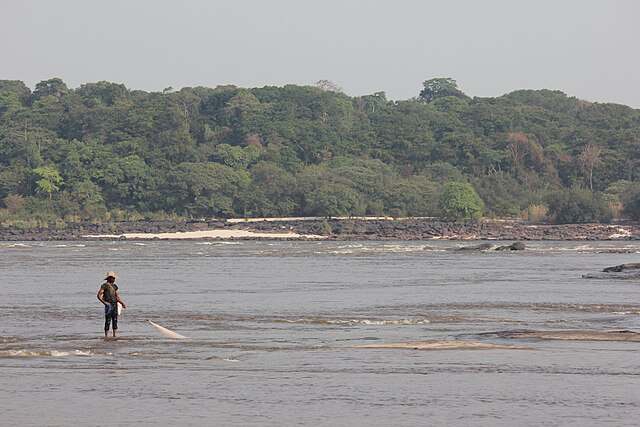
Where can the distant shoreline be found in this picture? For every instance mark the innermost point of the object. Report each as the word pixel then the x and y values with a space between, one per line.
pixel 342 229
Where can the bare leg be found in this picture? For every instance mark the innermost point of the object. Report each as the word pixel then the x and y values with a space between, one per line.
pixel 106 334
pixel 115 333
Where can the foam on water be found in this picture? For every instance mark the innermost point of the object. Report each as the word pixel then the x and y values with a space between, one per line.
pixel 218 243
pixel 44 353
pixel 14 245
pixel 587 248
pixel 348 322
pixel 438 345
pixel 355 249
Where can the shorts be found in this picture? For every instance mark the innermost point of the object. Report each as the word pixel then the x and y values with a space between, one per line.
pixel 111 315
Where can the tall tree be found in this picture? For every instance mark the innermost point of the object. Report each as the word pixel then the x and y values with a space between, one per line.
pixel 50 180
pixel 589 158
pixel 438 88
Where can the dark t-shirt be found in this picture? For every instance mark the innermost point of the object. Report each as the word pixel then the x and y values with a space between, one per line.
pixel 109 294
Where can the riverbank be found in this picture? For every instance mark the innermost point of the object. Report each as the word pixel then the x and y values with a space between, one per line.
pixel 331 229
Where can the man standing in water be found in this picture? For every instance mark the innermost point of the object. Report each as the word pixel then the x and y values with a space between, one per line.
pixel 108 295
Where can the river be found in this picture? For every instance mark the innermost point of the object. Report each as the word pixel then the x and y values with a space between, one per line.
pixel 285 333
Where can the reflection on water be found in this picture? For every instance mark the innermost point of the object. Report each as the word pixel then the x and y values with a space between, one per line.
pixel 328 333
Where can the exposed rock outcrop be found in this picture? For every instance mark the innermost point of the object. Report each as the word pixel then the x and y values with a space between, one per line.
pixel 480 247
pixel 346 229
pixel 623 267
pixel 515 246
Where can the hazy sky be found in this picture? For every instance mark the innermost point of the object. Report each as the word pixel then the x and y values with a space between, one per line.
pixel 587 48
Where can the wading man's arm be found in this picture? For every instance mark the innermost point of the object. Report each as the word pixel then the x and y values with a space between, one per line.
pixel 120 300
pixel 100 293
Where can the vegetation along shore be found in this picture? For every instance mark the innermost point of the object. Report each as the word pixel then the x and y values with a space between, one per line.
pixel 103 153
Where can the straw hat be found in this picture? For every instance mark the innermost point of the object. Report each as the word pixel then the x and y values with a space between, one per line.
pixel 111 274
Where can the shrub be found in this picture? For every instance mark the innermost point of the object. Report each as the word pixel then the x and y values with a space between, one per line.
pixel 503 194
pixel 14 202
pixel 325 228
pixel 616 209
pixel 631 202
pixel 537 214
pixel 397 213
pixel 574 206
pixel 460 201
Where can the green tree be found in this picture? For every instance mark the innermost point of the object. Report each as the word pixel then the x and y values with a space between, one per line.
pixel 103 94
pixel 575 205
pixel 413 196
pixel 50 180
pixel 14 179
pixel 460 201
pixel 89 198
pixel 450 104
pixel 127 182
pixel 52 87
pixel 271 191
pixel 631 201
pixel 236 157
pixel 440 87
pixel 205 189
pixel 335 200
pixel 14 96
pixel 503 194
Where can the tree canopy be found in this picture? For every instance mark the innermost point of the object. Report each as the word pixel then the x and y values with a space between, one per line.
pixel 103 151
pixel 460 201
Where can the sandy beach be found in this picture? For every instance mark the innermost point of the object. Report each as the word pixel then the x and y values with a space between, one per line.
pixel 208 234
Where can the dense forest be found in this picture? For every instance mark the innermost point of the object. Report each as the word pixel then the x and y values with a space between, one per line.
pixel 103 152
